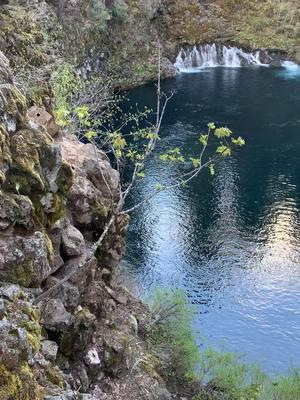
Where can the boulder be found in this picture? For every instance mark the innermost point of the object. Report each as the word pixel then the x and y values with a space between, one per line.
pixel 38 117
pixel 12 102
pixel 163 394
pixel 60 394
pixel 40 360
pixel 87 397
pixel 49 349
pixel 24 260
pixel 15 209
pixel 19 334
pixel 9 291
pixel 66 292
pixel 92 358
pixel 297 54
pixel 95 186
pixel 55 317
pixel 73 243
pixel 55 237
pixel 82 378
pixel 276 64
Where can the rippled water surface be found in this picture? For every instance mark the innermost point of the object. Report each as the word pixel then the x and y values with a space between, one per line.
pixel 231 241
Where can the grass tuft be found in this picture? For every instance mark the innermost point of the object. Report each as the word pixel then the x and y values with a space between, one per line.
pixel 224 375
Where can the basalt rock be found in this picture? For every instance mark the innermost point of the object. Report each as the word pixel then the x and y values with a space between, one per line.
pixel 95 186
pixel 38 117
pixel 33 182
pixel 49 349
pixel 297 54
pixel 55 317
pixel 73 243
pixel 19 343
pixel 2 308
pixel 68 293
pixel 15 210
pixel 24 259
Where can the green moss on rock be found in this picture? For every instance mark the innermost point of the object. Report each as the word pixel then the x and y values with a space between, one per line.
pixel 65 179
pixel 55 376
pixel 37 171
pixel 22 273
pixel 20 385
pixel 33 329
pixel 23 37
pixel 5 156
pixel 26 173
pixel 100 210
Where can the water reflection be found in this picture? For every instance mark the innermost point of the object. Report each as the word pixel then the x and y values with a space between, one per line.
pixel 232 242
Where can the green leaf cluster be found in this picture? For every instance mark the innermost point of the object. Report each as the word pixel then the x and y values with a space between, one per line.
pixel 223 132
pixel 64 83
pixel 83 115
pixel 118 142
pixel 173 156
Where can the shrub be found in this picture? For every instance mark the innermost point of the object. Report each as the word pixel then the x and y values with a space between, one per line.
pixel 225 376
pixel 170 327
pixel 64 83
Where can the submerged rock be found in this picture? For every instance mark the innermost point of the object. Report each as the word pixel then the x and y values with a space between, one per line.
pixel 276 64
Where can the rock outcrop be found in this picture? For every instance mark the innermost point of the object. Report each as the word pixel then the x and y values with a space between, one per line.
pixel 121 37
pixel 42 198
pixel 56 195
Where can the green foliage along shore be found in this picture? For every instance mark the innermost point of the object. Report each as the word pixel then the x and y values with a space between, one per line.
pixel 223 375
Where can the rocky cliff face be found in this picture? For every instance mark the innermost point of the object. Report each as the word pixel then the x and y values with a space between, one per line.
pixel 66 331
pixel 253 24
pixel 55 195
pixel 119 38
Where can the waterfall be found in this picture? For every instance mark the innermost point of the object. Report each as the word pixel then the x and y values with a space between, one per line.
pixel 212 55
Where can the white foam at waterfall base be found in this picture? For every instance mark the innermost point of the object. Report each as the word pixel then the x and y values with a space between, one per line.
pixel 291 70
pixel 212 55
